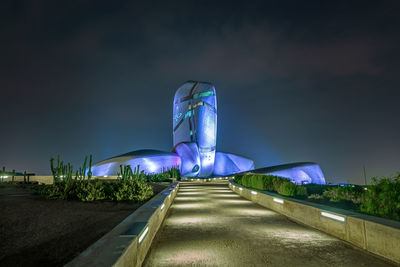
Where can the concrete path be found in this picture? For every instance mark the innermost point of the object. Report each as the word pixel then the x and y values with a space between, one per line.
pixel 209 225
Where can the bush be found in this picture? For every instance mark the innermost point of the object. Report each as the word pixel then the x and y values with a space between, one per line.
pixel 271 183
pixel 383 198
pixel 292 190
pixel 317 188
pixel 288 189
pixel 238 178
pixel 315 196
pixel 349 193
pixel 131 190
pixel 92 190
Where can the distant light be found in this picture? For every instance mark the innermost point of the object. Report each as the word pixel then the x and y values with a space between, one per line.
pixel 278 200
pixel 333 216
pixel 105 175
pixel 365 188
pixel 254 192
pixel 240 189
pixel 143 234
pixel 162 206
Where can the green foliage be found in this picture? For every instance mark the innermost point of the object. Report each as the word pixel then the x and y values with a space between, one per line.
pixel 317 188
pixel 126 173
pixel 92 190
pixel 315 196
pixel 64 172
pixel 130 190
pixel 290 189
pixel 353 194
pixel 271 183
pixel 383 198
pixel 238 178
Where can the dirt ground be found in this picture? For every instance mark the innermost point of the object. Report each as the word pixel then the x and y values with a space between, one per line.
pixel 39 232
pixel 209 225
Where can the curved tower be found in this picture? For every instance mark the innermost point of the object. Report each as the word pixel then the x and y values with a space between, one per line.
pixel 195 124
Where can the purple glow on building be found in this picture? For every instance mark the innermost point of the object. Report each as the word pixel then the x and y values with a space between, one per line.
pixel 149 161
pixel 190 157
pixel 227 163
pixel 195 121
pixel 298 173
pixel 195 139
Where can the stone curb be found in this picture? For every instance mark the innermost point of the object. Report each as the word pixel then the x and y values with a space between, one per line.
pixel 127 243
pixel 376 235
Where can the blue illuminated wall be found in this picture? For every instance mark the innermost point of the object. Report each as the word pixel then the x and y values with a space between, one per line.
pixel 190 158
pixel 149 161
pixel 195 121
pixel 227 163
pixel 298 173
pixel 195 139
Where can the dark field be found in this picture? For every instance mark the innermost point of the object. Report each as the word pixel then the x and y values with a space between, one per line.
pixel 39 232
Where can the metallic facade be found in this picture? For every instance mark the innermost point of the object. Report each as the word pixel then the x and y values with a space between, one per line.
pixel 298 173
pixel 195 139
pixel 195 121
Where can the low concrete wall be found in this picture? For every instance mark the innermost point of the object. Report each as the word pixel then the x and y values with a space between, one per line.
pixel 34 178
pixel 376 235
pixel 41 179
pixel 127 244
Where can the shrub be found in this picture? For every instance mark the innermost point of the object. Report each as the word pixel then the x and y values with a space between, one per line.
pixel 292 190
pixel 301 191
pixel 90 191
pixel 238 178
pixel 131 190
pixel 317 188
pixel 349 193
pixel 271 183
pixel 288 189
pixel 315 196
pixel 383 198
pixel 121 190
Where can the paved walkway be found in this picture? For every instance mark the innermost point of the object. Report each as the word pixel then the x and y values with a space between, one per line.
pixel 209 225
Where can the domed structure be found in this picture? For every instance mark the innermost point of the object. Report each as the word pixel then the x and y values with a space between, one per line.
pixel 195 139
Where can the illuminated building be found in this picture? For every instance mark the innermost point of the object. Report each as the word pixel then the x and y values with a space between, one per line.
pixel 195 139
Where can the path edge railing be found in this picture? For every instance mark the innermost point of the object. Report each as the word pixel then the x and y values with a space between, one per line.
pixel 376 235
pixel 127 243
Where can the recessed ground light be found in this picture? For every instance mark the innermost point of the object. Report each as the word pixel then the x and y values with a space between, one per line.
pixel 240 189
pixel 278 200
pixel 333 216
pixel 143 234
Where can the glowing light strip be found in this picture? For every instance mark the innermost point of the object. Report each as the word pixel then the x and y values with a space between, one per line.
pixel 278 200
pixel 254 193
pixel 143 234
pixel 162 206
pixel 333 216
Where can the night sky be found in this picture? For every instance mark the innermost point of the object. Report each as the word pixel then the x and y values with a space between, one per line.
pixel 295 81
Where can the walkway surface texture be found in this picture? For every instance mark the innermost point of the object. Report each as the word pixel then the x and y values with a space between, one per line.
pixel 209 225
